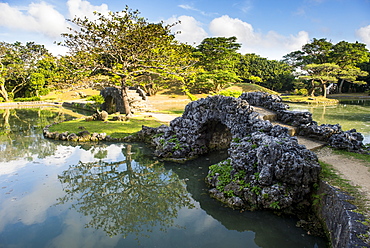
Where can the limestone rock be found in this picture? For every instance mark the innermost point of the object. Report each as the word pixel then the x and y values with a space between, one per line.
pixel 269 172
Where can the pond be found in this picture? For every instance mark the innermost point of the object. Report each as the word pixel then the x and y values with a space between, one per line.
pixel 59 194
pixel 350 113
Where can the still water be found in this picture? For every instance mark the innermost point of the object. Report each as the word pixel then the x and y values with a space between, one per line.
pixel 59 194
pixel 349 114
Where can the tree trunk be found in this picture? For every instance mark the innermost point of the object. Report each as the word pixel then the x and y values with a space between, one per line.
pixel 323 87
pixel 126 103
pixel 4 93
pixel 340 86
pixel 311 91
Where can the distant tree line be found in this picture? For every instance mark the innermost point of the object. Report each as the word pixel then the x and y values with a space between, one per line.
pixel 124 49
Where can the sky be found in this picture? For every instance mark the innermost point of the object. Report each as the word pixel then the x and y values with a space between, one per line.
pixel 269 28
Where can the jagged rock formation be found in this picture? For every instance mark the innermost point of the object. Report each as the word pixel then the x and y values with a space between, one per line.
pixel 114 100
pixel 332 134
pixel 267 168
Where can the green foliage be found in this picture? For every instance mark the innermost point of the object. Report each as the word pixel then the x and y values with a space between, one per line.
pixel 189 95
pixel 322 74
pixel 272 74
pixel 27 99
pixel 36 83
pixel 124 45
pixel 21 74
pixel 232 93
pixel 99 99
pixel 275 205
pixel 301 92
pixel 218 58
pixel 223 169
pixel 256 189
pixel 348 57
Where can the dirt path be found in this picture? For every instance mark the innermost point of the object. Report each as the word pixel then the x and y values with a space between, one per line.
pixel 351 169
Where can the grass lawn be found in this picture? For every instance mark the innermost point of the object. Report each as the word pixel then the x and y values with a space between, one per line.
pixel 116 129
pixel 308 99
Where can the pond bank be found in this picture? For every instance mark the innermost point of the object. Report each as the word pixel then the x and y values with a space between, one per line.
pixel 4 105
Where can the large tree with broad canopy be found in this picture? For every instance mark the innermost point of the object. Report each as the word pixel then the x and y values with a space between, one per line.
pixel 124 45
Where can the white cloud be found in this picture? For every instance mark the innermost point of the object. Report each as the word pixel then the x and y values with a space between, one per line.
pixel 82 8
pixel 191 30
pixel 364 34
pixel 271 45
pixel 37 17
pixel 187 7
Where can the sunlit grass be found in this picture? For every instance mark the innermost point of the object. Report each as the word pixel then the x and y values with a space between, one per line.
pixel 116 129
pixel 333 177
pixel 307 99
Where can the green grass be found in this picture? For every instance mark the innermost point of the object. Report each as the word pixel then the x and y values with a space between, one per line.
pixel 307 99
pixel 365 158
pixel 330 175
pixel 247 87
pixel 170 112
pixel 116 129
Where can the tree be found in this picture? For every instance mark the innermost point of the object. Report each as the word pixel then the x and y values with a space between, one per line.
pixel 321 73
pixel 348 56
pixel 218 59
pixel 125 197
pixel 316 52
pixel 18 63
pixel 123 45
pixel 272 74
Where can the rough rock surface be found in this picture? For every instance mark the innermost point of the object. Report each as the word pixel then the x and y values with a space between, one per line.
pixel 207 124
pixel 332 134
pixel 267 167
pixel 267 170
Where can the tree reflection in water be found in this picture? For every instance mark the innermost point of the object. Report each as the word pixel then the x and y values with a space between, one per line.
pixel 126 197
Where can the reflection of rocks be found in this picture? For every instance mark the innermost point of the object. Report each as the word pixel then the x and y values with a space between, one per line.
pixel 125 197
pixel 267 168
pixel 267 227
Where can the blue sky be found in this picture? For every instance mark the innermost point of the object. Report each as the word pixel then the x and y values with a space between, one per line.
pixel 270 28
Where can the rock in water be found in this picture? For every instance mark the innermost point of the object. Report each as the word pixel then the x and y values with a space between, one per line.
pixel 264 171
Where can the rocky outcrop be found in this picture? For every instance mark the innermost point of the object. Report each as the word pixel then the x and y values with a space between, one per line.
pixel 333 135
pixel 207 124
pixel 267 168
pixel 265 171
pixel 344 224
pixel 113 97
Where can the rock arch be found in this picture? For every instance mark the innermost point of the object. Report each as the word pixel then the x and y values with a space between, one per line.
pixel 113 100
pixel 215 135
pixel 266 168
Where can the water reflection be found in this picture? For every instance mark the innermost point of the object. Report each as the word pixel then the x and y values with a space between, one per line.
pixel 268 228
pixel 126 197
pixel 349 114
pixel 59 194
pixel 20 132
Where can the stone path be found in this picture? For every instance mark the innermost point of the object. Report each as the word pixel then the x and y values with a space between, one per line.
pixel 310 144
pixel 351 169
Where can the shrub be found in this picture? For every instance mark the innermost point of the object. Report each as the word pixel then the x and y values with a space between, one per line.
pixel 96 98
pixel 27 99
pixel 233 93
